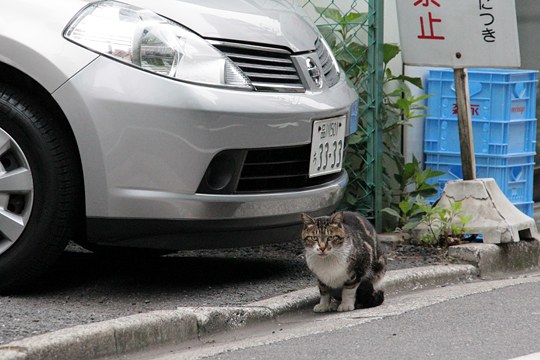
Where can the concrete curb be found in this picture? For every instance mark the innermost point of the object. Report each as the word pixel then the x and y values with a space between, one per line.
pixel 496 260
pixel 136 332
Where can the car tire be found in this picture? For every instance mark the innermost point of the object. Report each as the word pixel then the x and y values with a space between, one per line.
pixel 41 195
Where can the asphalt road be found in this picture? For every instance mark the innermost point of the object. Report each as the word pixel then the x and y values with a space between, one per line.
pixel 484 320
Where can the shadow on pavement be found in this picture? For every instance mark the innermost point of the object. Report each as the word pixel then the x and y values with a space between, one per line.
pixel 157 274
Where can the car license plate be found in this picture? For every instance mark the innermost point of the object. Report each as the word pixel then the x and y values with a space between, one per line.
pixel 327 146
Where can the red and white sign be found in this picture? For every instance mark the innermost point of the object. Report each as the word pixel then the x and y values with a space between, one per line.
pixel 459 33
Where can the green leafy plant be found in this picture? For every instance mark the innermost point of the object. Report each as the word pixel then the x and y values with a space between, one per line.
pixel 408 205
pixel 446 226
pixel 409 213
pixel 439 226
pixel 414 187
pixel 399 105
pixel 414 181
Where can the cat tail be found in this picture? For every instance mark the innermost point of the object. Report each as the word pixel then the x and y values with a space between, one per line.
pixel 378 298
pixel 367 296
pixel 378 268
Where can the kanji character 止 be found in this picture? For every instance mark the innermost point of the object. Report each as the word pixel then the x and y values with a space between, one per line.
pixel 427 2
pixel 431 34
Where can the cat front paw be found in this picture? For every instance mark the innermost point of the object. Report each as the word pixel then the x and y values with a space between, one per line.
pixel 345 307
pixel 322 308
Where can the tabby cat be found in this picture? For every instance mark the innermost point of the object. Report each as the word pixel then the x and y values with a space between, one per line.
pixel 343 252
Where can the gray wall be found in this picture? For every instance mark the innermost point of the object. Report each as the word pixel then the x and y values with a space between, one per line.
pixel 528 12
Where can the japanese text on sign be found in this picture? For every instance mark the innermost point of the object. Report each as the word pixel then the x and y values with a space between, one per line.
pixel 428 27
pixel 489 19
pixel 459 33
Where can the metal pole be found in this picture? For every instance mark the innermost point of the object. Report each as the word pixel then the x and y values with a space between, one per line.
pixel 376 49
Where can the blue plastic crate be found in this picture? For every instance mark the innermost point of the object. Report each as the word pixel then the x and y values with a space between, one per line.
pixel 491 137
pixel 503 109
pixel 495 94
pixel 513 174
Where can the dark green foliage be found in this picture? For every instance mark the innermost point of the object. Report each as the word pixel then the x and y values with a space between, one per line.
pixel 346 35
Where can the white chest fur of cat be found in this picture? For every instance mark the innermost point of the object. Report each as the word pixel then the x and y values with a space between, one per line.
pixel 331 269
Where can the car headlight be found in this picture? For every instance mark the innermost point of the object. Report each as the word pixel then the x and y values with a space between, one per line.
pixel 148 41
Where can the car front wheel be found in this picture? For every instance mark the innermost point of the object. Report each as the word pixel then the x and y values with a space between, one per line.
pixel 40 188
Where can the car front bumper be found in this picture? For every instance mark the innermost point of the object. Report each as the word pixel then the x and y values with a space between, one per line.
pixel 146 141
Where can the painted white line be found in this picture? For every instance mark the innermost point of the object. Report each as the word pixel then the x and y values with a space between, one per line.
pixel 535 356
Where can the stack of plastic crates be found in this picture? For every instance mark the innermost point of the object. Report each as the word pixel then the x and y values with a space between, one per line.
pixel 503 109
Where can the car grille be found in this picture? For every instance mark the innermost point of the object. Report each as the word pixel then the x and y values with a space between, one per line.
pixel 268 68
pixel 278 169
pixel 265 170
pixel 330 73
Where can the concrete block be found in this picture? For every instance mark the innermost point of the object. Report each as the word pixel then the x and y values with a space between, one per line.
pixel 290 302
pixel 211 320
pixel 417 278
pixel 8 353
pixel 493 260
pixel 494 216
pixel 154 328
pixel 107 338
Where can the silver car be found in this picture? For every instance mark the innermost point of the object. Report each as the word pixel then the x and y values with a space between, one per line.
pixel 163 124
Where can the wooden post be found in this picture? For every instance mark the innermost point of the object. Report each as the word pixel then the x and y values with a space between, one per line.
pixel 465 124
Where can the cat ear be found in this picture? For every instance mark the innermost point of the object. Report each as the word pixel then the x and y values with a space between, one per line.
pixel 337 218
pixel 308 220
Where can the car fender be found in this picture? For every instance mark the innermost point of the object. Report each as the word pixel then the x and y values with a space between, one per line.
pixel 51 62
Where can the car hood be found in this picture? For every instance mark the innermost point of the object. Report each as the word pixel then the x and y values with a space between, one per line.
pixel 277 22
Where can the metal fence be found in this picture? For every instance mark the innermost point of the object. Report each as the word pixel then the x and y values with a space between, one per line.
pixel 354 30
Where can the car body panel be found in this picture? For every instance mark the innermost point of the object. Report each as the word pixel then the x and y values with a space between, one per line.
pixel 262 21
pixel 130 153
pixel 51 62
pixel 145 141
